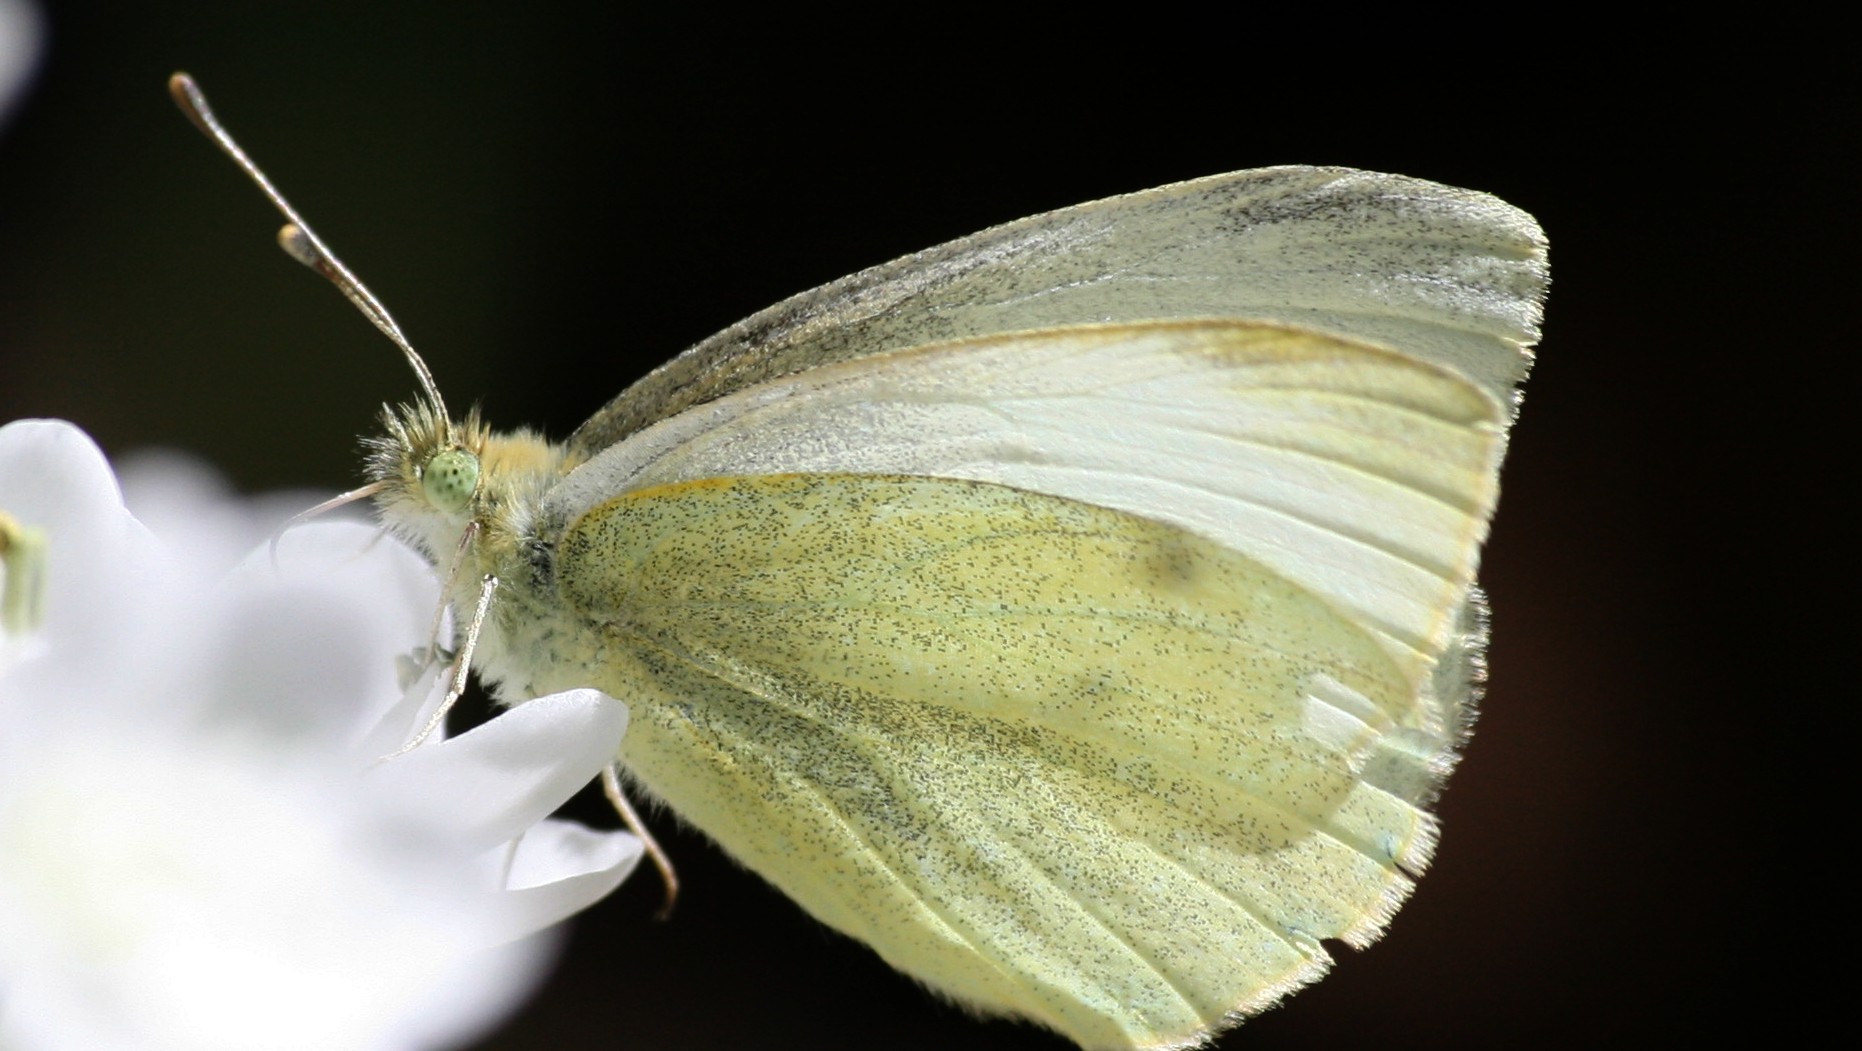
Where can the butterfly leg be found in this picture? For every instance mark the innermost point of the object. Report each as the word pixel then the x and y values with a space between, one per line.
pixel 611 787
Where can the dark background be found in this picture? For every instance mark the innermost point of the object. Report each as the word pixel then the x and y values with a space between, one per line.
pixel 553 204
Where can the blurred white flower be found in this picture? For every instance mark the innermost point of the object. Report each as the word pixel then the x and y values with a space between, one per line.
pixel 20 37
pixel 197 847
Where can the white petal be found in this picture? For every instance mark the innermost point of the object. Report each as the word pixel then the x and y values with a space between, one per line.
pixel 191 509
pixel 560 868
pixel 332 612
pixel 501 778
pixel 174 892
pixel 104 571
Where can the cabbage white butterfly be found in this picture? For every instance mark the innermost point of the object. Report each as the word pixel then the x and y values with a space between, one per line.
pixel 1080 613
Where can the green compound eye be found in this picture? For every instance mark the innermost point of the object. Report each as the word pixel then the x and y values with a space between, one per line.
pixel 450 479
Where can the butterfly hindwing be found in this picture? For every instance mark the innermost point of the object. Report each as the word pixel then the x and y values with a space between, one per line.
pixel 1053 759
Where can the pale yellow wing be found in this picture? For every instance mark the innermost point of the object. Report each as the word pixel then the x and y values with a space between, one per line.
pixel 1445 274
pixel 1058 760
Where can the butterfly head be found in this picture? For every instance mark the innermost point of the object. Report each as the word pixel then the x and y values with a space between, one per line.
pixel 435 477
pixel 427 472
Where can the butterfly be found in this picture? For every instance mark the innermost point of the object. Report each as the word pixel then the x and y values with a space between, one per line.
pixel 1080 613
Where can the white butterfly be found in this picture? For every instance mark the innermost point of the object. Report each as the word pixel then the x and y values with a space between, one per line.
pixel 1080 613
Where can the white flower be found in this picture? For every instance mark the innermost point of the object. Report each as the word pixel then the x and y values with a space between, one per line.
pixel 20 38
pixel 197 847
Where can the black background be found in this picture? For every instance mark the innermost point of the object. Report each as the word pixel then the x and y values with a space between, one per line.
pixel 551 204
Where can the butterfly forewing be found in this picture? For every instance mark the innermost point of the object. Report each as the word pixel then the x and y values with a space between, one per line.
pixel 1448 275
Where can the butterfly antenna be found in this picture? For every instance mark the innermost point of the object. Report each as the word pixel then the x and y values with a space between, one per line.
pixel 297 238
